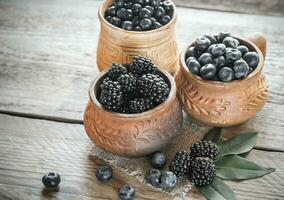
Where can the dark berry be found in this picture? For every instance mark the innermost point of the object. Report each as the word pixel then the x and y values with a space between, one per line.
pixel 120 13
pixel 157 25
pixel 153 20
pixel 158 159
pixel 126 192
pixel 111 11
pixel 193 65
pixel 155 3
pixel 204 148
pixel 222 36
pixel 181 163
pixel 168 179
pixel 215 78
pixel 252 59
pixel 218 50
pixel 160 11
pixel 212 39
pixel 127 25
pixel 136 21
pixel 151 9
pixel 128 5
pixel 145 13
pixel 232 55
pixel 219 62
pixel 154 177
pixel 141 2
pixel 208 71
pixel 108 18
pixel 231 42
pixel 243 49
pixel 168 6
pixel 190 52
pixel 205 58
pixel 111 96
pixel 209 50
pixel 51 179
pixel 139 105
pixel 104 173
pixel 119 3
pixel 127 82
pixel 137 28
pixel 202 43
pixel 128 15
pixel 142 65
pixel 241 69
pixel 136 8
pixel 145 24
pixel 115 21
pixel 165 19
pixel 116 70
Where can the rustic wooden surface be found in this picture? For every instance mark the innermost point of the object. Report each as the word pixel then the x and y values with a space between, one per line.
pixel 47 61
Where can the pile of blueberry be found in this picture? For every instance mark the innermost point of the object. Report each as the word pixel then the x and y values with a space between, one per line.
pixel 221 58
pixel 139 15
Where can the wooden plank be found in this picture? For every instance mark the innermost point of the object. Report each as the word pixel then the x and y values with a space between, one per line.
pixel 268 7
pixel 30 148
pixel 48 59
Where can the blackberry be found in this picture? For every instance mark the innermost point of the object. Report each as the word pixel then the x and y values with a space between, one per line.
pixel 181 163
pixel 127 82
pixel 154 87
pixel 139 105
pixel 116 70
pixel 202 172
pixel 204 149
pixel 111 95
pixel 142 65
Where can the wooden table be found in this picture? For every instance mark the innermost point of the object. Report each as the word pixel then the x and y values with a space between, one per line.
pixel 47 61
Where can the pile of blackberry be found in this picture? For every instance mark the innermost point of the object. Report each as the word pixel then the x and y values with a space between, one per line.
pixel 140 15
pixel 197 164
pixel 133 88
pixel 221 58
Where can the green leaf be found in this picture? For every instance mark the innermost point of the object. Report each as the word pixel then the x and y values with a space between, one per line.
pixel 234 167
pixel 217 190
pixel 238 144
pixel 213 135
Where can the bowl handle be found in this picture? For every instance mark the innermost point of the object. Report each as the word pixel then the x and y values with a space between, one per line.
pixel 259 40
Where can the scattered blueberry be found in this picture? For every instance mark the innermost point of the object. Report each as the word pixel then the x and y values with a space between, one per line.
pixel 208 71
pixel 158 159
pixel 231 42
pixel 205 58
pixel 168 179
pixel 154 177
pixel 126 192
pixel 243 49
pixel 226 74
pixel 193 65
pixel 104 173
pixel 241 69
pixel 202 43
pixel 252 59
pixel 51 179
pixel 218 50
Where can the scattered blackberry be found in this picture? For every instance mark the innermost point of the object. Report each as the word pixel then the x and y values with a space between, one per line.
pixel 202 172
pixel 154 87
pixel 204 149
pixel 181 163
pixel 139 105
pixel 127 82
pixel 142 65
pixel 111 95
pixel 116 70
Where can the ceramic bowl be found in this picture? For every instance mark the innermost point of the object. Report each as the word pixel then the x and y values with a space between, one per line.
pixel 120 46
pixel 222 104
pixel 133 135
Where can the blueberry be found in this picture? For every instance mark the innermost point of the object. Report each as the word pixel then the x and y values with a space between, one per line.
pixel 218 50
pixel 226 74
pixel 155 3
pixel 136 8
pixel 128 15
pixel 222 36
pixel 151 9
pixel 157 25
pixel 119 3
pixel 141 2
pixel 215 78
pixel 51 179
pixel 202 43
pixel 136 21
pixel 205 58
pixel 154 177
pixel 145 13
pixel 145 24
pixel 111 11
pixel 168 6
pixel 252 59
pixel 153 19
pixel 232 55
pixel 120 12
pixel 219 62
pixel 241 69
pixel 115 21
pixel 168 179
pixel 193 65
pixel 190 52
pixel 160 11
pixel 165 19
pixel 127 25
pixel 209 50
pixel 126 192
pixel 104 173
pixel 137 28
pixel 108 18
pixel 158 159
pixel 243 49
pixel 212 39
pixel 208 71
pixel 190 58
pixel 231 42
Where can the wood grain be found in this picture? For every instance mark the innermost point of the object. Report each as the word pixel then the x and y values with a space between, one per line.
pixel 31 147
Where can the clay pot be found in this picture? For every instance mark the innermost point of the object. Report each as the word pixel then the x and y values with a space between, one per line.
pixel 224 104
pixel 120 46
pixel 133 135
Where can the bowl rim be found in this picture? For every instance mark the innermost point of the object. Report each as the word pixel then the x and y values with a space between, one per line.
pixel 102 19
pixel 94 88
pixel 219 83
